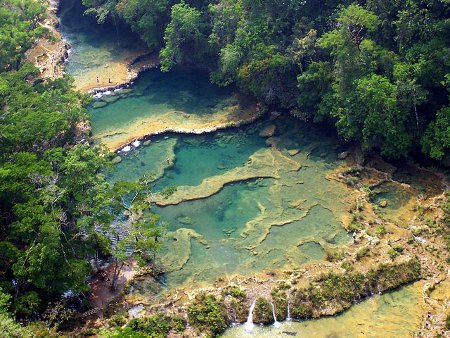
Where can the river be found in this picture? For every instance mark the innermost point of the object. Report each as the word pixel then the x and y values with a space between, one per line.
pixel 249 199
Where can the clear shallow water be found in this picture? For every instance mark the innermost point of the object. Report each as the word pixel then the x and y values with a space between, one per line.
pixel 219 221
pixel 246 227
pixel 392 315
pixel 154 94
pixel 171 157
pixel 227 237
pixel 100 54
pixel 203 156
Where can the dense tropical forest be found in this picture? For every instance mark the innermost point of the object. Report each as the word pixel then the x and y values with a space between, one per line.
pixel 378 71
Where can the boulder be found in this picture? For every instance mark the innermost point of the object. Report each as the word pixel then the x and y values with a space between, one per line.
pixel 383 203
pixel 268 131
pixel 343 155
pixel 116 160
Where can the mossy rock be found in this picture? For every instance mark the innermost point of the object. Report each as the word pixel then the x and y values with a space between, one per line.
pixel 116 160
pixel 383 203
pixel 208 315
pixel 99 104
pixel 263 313
pixel 302 311
pixel 268 131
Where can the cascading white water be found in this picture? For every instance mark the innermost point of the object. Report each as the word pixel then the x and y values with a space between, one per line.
pixel 249 323
pixel 288 317
pixel 276 323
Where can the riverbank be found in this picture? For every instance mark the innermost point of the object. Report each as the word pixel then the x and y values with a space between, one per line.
pixel 50 55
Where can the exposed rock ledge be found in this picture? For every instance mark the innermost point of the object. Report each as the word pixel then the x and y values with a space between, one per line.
pixel 258 166
pixel 48 55
pixel 177 122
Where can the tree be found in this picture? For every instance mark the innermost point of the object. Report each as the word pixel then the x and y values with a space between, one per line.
pixel 136 234
pixel 383 124
pixel 19 27
pixel 184 37
pixel 436 140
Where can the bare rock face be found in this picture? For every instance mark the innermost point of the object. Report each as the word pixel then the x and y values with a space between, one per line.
pixel 268 131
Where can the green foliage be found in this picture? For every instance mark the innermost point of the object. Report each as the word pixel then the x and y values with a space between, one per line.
pixel 235 292
pixel 208 315
pixel 5 302
pixel 12 329
pixel 263 312
pixel 19 27
pixel 183 36
pixel 341 290
pixel 147 18
pixel 436 140
pixel 169 191
pixel 27 304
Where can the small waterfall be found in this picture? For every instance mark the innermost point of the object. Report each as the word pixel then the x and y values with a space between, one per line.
pixel 276 323
pixel 249 323
pixel 288 317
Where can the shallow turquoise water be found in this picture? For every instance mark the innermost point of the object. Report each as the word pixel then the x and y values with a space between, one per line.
pixel 149 161
pixel 219 220
pixel 156 93
pixel 92 45
pixel 196 157
pixel 209 155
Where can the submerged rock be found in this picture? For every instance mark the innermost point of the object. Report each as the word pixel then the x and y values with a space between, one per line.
pixel 184 220
pixel 293 152
pixel 146 143
pixel 268 131
pixel 99 104
pixel 116 160
pixel 110 98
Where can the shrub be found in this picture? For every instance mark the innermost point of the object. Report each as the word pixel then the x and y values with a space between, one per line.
pixel 235 292
pixel 334 255
pixel 263 312
pixel 207 314
pixel 155 326
pixel 117 320
pixel 362 252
